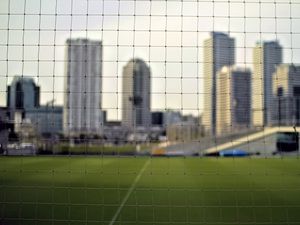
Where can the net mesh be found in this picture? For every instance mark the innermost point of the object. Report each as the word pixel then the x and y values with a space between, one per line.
pixel 100 95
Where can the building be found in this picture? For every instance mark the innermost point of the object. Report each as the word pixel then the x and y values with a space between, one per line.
pixel 104 117
pixel 46 119
pixel 136 95
pixel 22 95
pixel 157 119
pixel 169 117
pixel 266 56
pixel 183 132
pixel 233 100
pixel 4 129
pixel 83 86
pixel 25 129
pixel 219 51
pixel 188 129
pixel 286 96
pixel 114 133
pixel 172 117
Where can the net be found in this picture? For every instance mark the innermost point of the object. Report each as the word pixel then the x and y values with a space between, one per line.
pixel 140 111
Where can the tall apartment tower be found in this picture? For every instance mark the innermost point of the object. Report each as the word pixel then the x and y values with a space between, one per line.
pixel 218 52
pixel 286 95
pixel 136 95
pixel 23 94
pixel 83 85
pixel 266 56
pixel 233 100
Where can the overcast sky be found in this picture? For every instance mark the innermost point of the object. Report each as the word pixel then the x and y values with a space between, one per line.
pixel 168 35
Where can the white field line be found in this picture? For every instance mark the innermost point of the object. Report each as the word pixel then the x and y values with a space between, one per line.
pixel 248 138
pixel 113 220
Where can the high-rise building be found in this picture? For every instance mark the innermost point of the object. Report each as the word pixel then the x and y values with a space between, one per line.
pixel 219 51
pixel 286 96
pixel 233 100
pixel 23 94
pixel 136 95
pixel 83 83
pixel 266 56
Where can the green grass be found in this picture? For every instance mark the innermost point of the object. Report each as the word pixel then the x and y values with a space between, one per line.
pixel 89 190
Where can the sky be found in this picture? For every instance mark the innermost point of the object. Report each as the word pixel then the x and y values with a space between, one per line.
pixel 167 35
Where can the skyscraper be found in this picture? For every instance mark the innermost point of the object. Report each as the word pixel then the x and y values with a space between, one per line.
pixel 266 56
pixel 136 94
pixel 233 100
pixel 286 95
pixel 218 52
pixel 23 94
pixel 83 83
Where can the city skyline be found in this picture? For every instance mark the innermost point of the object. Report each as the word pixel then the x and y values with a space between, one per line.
pixel 173 47
pixel 250 66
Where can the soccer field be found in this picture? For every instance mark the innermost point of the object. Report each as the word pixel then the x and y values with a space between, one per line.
pixel 96 190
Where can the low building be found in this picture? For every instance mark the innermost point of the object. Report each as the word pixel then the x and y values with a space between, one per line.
pixel 157 119
pixel 172 117
pixel 46 119
pixel 184 131
pixel 4 129
pixel 188 129
pixel 286 96
pixel 114 133
pixel 24 128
